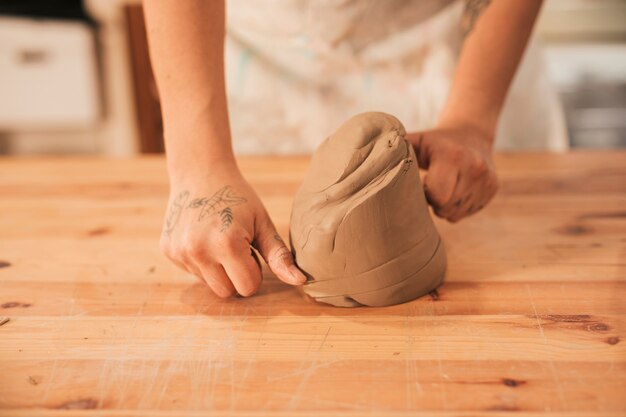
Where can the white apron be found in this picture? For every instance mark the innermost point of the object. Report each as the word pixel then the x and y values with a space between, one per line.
pixel 298 69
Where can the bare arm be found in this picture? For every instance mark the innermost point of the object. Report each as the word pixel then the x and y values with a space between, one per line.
pixel 214 216
pixel 461 178
pixel 496 33
pixel 187 49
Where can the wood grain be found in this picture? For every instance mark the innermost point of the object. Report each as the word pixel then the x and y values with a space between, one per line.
pixel 531 320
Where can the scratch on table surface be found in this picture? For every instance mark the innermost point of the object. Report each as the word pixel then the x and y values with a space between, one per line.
pixel 173 368
pixel 259 340
pixel 117 372
pixel 214 363
pixel 410 368
pixel 59 329
pixel 554 374
pixel 194 371
pixel 308 373
pixel 407 358
pixel 301 371
pixel 236 386
pixel 344 406
pixel 211 366
pixel 429 311
pixel 206 373
pixel 441 372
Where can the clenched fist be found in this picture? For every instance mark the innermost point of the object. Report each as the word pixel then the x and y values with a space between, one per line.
pixel 461 177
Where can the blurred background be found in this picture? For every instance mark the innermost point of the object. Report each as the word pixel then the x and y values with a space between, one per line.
pixel 75 76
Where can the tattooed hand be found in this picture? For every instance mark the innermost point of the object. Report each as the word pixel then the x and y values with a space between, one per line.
pixel 210 231
pixel 461 177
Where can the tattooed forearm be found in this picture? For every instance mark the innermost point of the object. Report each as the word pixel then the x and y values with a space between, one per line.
pixel 174 211
pixel 473 9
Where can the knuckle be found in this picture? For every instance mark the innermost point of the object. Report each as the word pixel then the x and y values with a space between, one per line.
pixel 176 252
pixel 434 193
pixel 441 198
pixel 480 167
pixel 228 245
pixel 456 153
pixel 446 199
pixel 192 248
pixel 165 247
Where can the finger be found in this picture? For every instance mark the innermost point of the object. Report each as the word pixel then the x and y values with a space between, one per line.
pixel 469 206
pixel 241 267
pixel 489 188
pixel 480 192
pixel 476 192
pixel 420 142
pixel 185 262
pixel 217 279
pixel 197 264
pixel 276 254
pixel 440 183
pixel 181 265
pixel 466 193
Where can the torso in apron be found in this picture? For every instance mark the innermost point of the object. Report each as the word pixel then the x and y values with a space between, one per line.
pixel 297 69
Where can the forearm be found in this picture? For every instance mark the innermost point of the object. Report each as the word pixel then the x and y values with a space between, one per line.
pixel 187 51
pixel 496 35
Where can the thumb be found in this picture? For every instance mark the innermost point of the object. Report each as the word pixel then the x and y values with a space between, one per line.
pixel 276 254
pixel 420 142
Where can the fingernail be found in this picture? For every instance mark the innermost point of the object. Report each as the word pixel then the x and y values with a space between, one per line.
pixel 297 275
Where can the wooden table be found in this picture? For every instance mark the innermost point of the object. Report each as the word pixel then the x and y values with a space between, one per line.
pixel 530 321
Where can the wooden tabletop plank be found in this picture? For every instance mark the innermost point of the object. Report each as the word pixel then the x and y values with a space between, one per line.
pixel 531 320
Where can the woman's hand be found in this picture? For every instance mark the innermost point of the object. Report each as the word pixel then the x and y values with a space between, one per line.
pixel 460 178
pixel 212 221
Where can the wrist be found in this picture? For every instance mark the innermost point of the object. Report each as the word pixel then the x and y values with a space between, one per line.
pixel 473 109
pixel 185 169
pixel 198 149
pixel 197 138
pixel 478 128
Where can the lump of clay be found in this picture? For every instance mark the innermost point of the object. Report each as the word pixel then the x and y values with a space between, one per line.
pixel 360 227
